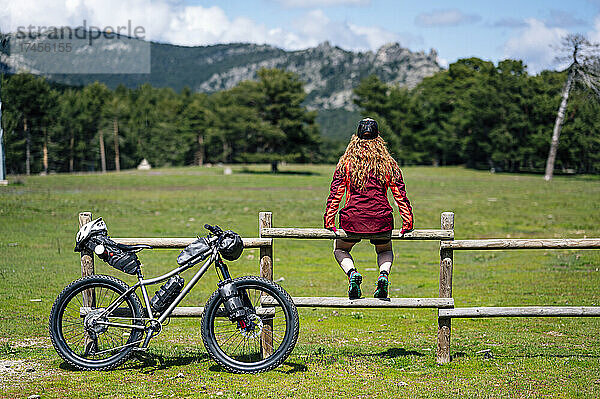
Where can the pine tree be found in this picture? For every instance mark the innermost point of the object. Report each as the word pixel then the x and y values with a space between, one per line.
pixel 26 99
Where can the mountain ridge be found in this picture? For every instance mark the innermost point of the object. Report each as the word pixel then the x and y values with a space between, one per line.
pixel 329 73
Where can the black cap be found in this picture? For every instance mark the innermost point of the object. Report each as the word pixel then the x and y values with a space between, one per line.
pixel 367 129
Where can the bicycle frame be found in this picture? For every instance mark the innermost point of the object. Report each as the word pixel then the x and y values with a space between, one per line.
pixel 250 324
pixel 142 283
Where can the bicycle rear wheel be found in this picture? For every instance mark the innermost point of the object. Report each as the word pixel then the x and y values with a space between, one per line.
pixel 84 337
pixel 263 346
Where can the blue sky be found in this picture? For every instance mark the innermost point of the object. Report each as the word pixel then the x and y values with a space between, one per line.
pixel 491 30
pixel 456 29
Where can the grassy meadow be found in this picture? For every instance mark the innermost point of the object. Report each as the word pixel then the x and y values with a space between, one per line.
pixel 342 353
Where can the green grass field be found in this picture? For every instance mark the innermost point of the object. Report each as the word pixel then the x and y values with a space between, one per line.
pixel 343 353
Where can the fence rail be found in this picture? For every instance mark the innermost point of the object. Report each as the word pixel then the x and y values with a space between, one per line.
pixel 293 232
pixel 336 302
pixel 520 243
pixel 523 311
pixel 174 243
pixel 444 303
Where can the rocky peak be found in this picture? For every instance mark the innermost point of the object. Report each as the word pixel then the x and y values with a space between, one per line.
pixel 324 46
pixel 433 54
pixel 329 72
pixel 391 52
pixel 326 50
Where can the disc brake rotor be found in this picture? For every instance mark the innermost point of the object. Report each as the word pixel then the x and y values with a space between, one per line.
pixel 256 330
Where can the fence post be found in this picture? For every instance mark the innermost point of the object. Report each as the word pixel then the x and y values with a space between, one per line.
pixel 446 263
pixel 87 269
pixel 265 219
pixel 87 258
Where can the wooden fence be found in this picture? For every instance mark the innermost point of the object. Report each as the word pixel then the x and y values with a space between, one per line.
pixel 444 303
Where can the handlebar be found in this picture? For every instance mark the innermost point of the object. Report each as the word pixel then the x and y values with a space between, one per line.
pixel 216 230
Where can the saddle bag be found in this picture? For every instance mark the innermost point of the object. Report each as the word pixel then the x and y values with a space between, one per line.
pixel 93 236
pixel 110 252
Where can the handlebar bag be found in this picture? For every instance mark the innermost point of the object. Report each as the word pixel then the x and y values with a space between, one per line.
pixel 196 252
pixel 231 245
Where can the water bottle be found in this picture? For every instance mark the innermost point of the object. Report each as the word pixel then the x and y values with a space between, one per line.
pixel 166 294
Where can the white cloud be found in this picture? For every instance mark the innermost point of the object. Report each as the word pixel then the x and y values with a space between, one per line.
pixel 535 45
pixel 563 19
pixel 196 25
pixel 509 22
pixel 594 36
pixel 315 27
pixel 173 22
pixel 443 62
pixel 153 16
pixel 375 37
pixel 322 3
pixel 448 17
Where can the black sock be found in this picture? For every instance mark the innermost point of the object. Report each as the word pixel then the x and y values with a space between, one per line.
pixel 350 272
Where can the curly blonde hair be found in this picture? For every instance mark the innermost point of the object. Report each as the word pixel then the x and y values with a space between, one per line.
pixel 365 157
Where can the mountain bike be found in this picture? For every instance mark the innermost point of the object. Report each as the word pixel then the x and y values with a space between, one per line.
pixel 249 324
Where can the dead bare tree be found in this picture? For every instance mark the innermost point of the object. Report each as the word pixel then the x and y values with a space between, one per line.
pixel 583 70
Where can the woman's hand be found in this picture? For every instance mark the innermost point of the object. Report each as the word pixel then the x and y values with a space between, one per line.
pixel 404 231
pixel 332 228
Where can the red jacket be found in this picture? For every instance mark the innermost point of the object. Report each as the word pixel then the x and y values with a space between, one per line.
pixel 366 211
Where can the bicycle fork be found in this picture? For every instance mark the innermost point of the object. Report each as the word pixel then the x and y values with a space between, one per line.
pixel 236 302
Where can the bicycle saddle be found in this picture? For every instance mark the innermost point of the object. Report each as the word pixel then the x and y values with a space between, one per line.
pixel 133 248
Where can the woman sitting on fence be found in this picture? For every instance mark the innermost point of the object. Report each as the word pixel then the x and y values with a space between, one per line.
pixel 364 173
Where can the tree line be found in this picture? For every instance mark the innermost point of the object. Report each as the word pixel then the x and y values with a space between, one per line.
pixel 474 113
pixel 486 116
pixel 65 129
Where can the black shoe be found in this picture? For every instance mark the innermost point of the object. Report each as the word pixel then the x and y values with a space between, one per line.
pixel 354 281
pixel 382 287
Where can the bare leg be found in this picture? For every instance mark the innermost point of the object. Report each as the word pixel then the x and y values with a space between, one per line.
pixel 341 251
pixel 385 257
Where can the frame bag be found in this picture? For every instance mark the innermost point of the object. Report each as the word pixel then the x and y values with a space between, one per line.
pixel 195 252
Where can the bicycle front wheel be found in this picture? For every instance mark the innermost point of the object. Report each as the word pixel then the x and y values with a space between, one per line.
pixel 263 345
pixel 87 338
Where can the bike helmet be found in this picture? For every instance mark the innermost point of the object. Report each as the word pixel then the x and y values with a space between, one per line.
pixel 367 129
pixel 231 245
pixel 89 229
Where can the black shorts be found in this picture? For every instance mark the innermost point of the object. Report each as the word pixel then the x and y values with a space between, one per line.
pixel 374 241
